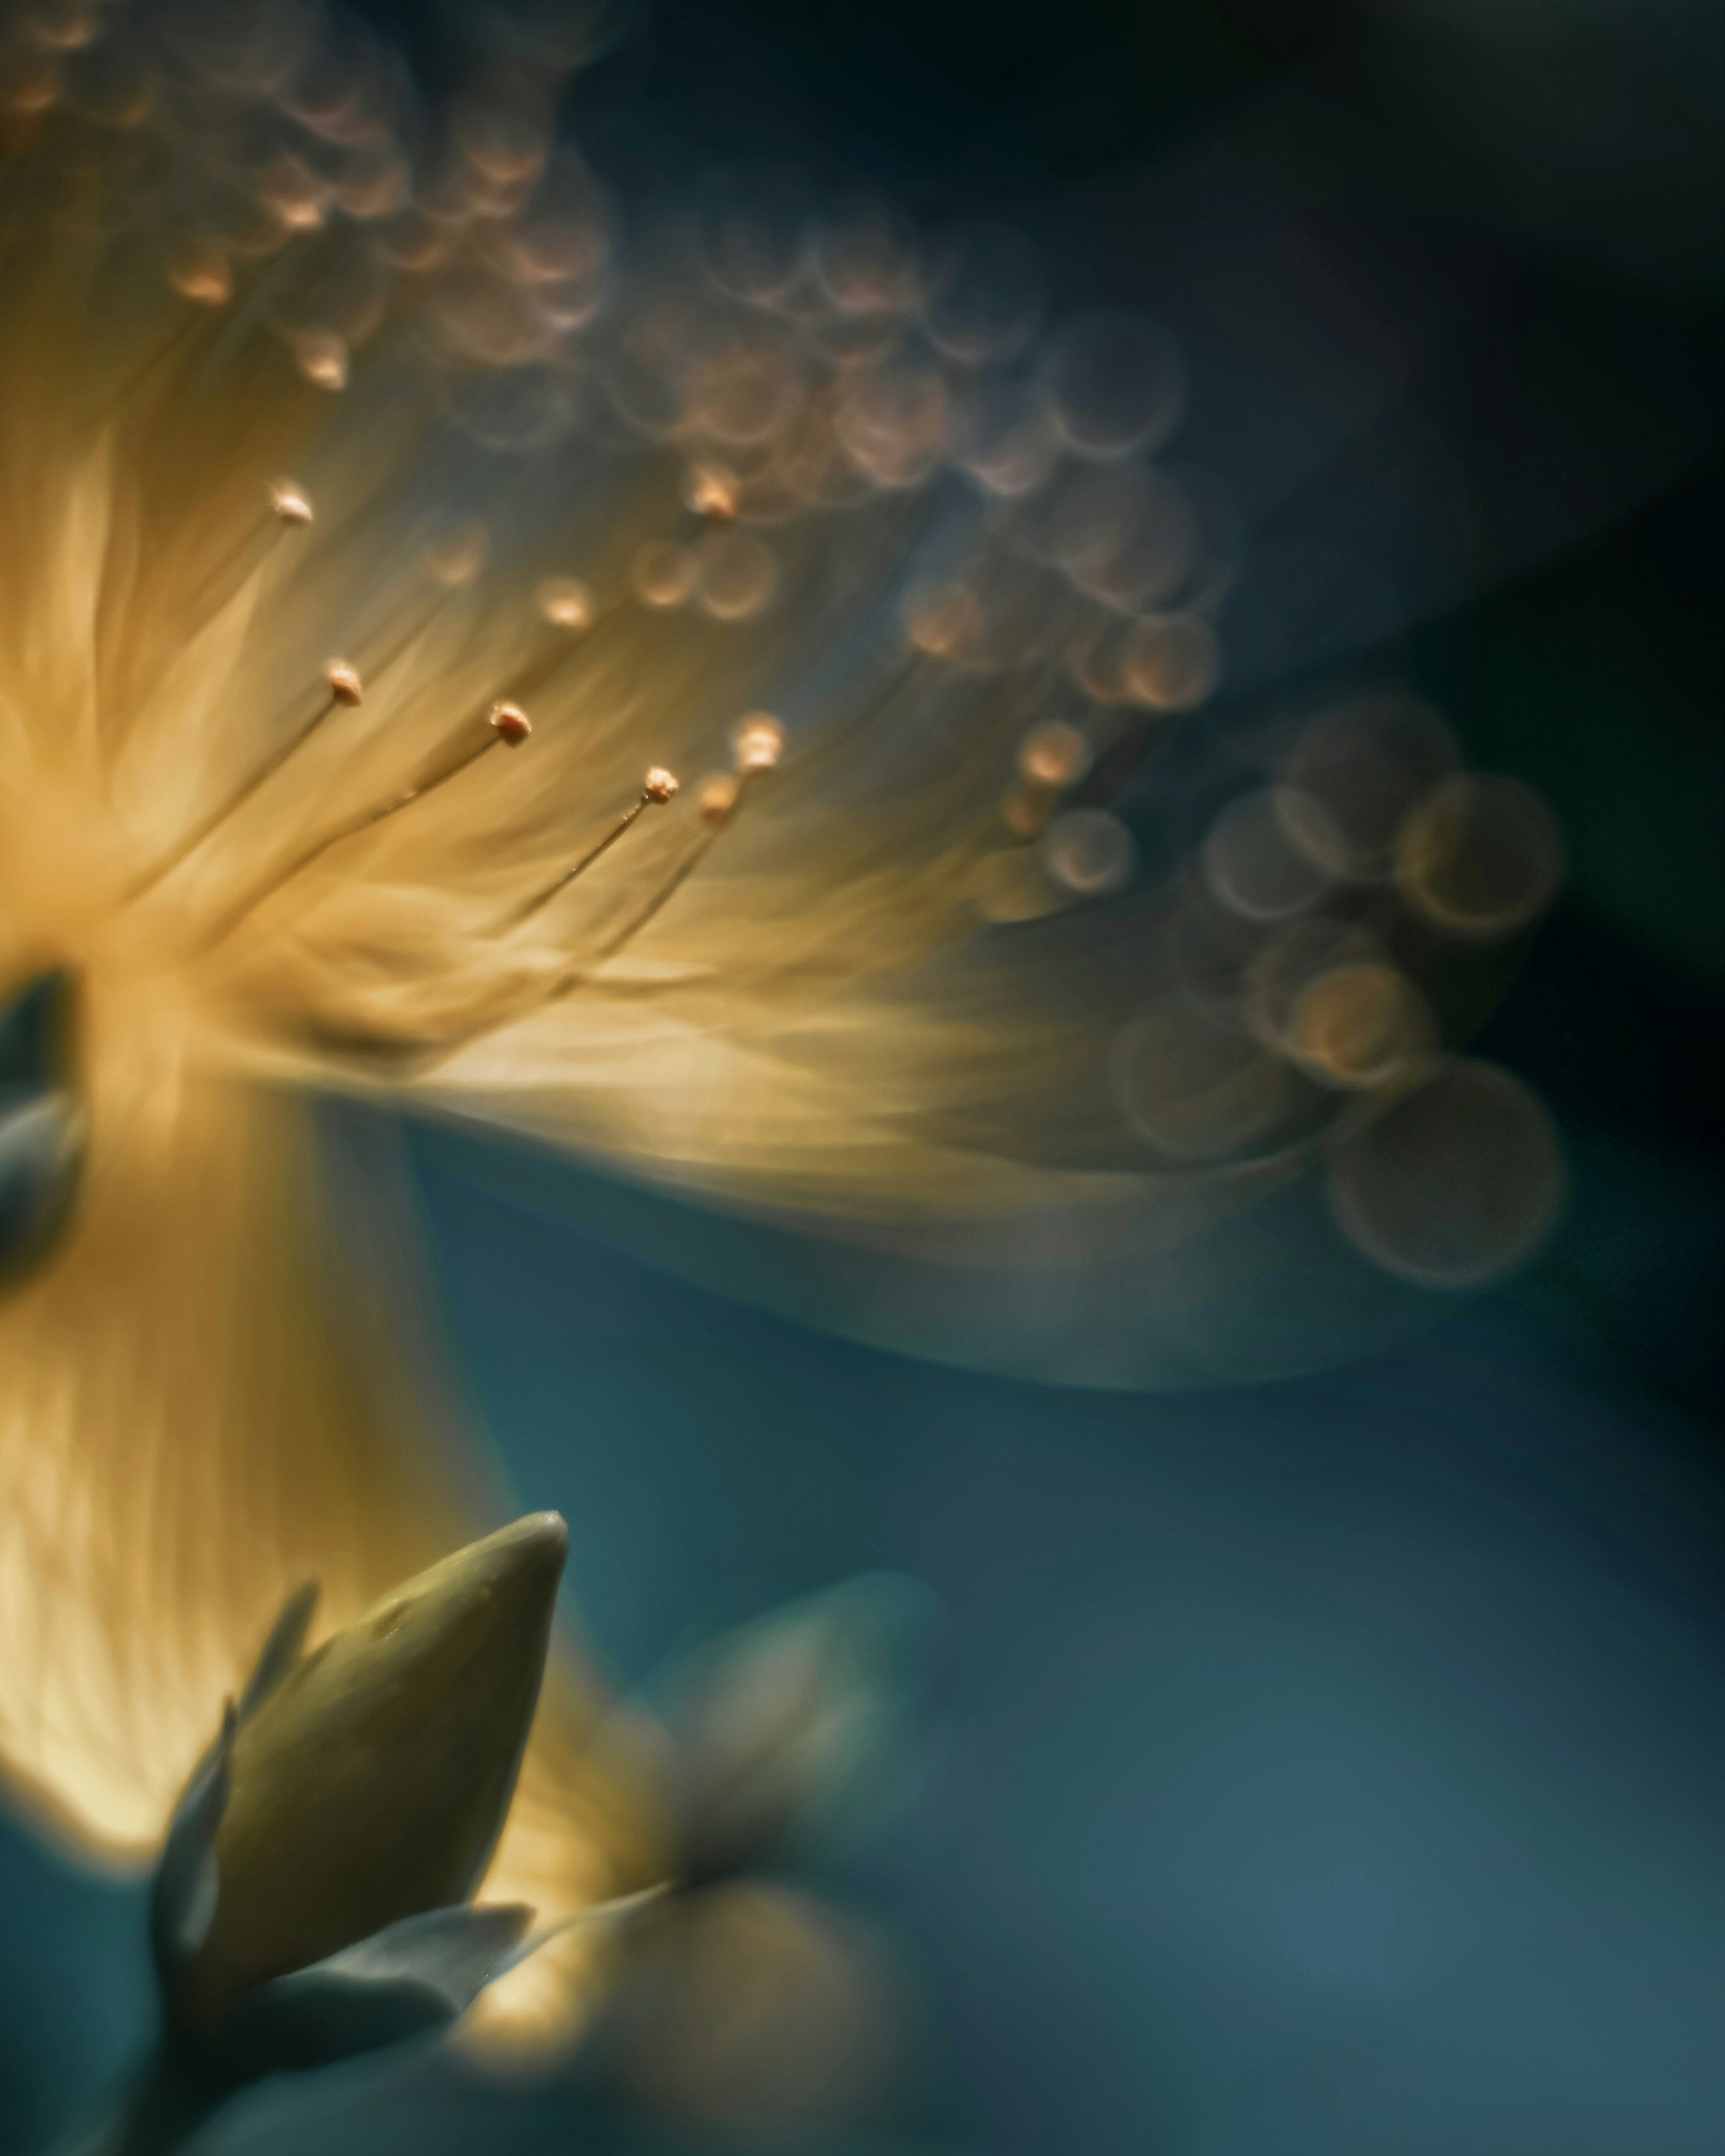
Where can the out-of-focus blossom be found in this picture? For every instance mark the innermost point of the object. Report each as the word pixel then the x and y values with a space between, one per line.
pixel 735 703
pixel 747 1999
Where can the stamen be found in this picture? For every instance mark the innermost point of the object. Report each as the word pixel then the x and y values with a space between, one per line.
pixel 710 491
pixel 755 744
pixel 1054 755
pixel 322 357
pixel 288 504
pixel 720 797
pixel 658 786
pixel 510 725
pixel 567 983
pixel 1050 758
pixel 756 741
pixel 345 687
pixel 203 273
pixel 346 691
pixel 168 349
pixel 565 602
pixel 718 809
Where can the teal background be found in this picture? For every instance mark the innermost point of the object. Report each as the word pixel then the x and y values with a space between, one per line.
pixel 1329 1768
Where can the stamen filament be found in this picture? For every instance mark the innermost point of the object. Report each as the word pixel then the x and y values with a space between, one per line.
pixel 717 819
pixel 568 984
pixel 719 811
pixel 367 820
pixel 184 332
pixel 344 694
pixel 658 785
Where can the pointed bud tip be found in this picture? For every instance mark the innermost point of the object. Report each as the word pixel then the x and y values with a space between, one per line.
pixel 546 1532
pixel 540 1540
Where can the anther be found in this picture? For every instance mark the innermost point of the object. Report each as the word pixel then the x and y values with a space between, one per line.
pixel 201 273
pixel 658 786
pixel 710 491
pixel 288 503
pixel 322 357
pixel 345 684
pixel 756 741
pixel 509 725
pixel 565 602
pixel 1053 754
pixel 344 692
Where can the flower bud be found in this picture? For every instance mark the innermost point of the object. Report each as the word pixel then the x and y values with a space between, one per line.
pixel 371 1784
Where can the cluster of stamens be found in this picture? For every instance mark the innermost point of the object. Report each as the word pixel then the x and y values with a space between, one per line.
pixel 756 741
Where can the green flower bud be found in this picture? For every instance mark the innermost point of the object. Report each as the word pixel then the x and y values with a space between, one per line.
pixel 370 1783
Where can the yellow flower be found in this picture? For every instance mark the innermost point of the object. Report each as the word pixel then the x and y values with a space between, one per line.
pixel 308 782
pixel 440 664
